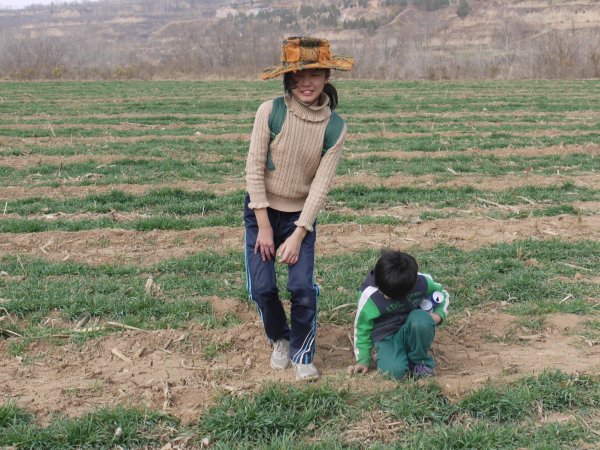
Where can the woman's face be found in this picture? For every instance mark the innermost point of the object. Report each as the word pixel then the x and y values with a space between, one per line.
pixel 308 85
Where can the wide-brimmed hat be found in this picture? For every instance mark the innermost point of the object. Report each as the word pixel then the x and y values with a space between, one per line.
pixel 300 53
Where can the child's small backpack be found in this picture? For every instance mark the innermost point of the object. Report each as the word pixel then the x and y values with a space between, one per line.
pixel 277 117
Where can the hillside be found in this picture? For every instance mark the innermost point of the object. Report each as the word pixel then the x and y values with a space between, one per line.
pixel 390 39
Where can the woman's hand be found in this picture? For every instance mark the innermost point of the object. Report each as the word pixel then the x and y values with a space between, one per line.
pixel 264 241
pixel 265 244
pixel 289 251
pixel 361 369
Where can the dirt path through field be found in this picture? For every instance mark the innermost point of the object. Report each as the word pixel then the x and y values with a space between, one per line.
pixel 71 187
pixel 118 246
pixel 184 371
pixel 172 370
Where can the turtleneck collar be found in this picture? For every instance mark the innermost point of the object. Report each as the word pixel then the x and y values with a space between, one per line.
pixel 317 112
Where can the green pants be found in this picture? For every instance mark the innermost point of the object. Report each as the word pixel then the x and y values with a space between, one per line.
pixel 408 346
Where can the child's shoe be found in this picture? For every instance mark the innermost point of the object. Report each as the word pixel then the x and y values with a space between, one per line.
pixel 422 371
pixel 280 358
pixel 306 372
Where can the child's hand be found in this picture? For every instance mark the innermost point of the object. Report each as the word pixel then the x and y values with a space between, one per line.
pixel 264 244
pixel 358 368
pixel 436 318
pixel 289 251
pixel 264 241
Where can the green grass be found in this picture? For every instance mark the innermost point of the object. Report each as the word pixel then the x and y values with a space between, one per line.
pixel 322 416
pixel 167 170
pixel 151 127
pixel 213 350
pixel 362 197
pixel 276 412
pixel 489 141
pixel 116 293
pixel 482 115
pixel 550 391
pixel 94 430
pixel 138 171
pixel 533 324
pixel 474 278
pixel 483 165
pixel 158 148
pixel 157 201
pixel 231 218
pixel 357 197
pixel 48 131
pixel 418 405
pixel 109 297
pixel 193 97
pixel 483 435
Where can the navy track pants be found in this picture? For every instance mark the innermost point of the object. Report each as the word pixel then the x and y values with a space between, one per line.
pixel 261 283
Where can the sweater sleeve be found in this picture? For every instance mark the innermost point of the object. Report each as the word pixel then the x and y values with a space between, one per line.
pixel 364 322
pixel 257 157
pixel 321 184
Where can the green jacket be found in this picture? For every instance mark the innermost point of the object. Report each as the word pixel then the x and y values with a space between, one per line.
pixel 378 317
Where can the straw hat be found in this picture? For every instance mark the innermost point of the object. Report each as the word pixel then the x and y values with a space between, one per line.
pixel 300 53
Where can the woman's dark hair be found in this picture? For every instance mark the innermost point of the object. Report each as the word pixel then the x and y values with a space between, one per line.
pixel 395 273
pixel 329 89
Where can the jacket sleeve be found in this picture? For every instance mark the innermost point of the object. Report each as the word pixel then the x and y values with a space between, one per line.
pixel 441 308
pixel 441 296
pixel 321 184
pixel 364 322
pixel 257 157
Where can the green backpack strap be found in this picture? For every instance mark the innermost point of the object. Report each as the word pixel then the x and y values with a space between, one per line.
pixel 276 119
pixel 334 129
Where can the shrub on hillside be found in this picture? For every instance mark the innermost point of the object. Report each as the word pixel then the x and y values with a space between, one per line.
pixel 463 9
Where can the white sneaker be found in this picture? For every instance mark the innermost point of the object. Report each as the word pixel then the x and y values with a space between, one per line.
pixel 280 358
pixel 306 372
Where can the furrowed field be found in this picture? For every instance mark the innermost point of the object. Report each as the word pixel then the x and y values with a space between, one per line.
pixel 124 320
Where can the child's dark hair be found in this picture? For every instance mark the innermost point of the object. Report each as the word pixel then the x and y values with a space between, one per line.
pixel 395 273
pixel 329 89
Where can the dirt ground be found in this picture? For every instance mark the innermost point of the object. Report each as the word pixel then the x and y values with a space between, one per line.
pixel 118 246
pixel 169 369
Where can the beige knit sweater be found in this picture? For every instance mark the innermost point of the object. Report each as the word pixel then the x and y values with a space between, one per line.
pixel 302 178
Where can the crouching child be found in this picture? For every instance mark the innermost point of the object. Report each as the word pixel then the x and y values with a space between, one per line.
pixel 398 311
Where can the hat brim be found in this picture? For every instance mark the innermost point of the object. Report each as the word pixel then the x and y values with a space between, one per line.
pixel 337 63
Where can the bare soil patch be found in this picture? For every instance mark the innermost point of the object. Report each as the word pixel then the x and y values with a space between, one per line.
pixel 591 115
pixel 58 141
pixel 174 371
pixel 118 246
pixel 72 188
pixel 128 116
pixel 548 132
pixel 590 149
pixel 121 126
pixel 21 162
pixel 482 182
pixel 74 191
pixel 171 370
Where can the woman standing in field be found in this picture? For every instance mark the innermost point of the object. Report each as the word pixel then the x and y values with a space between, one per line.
pixel 294 151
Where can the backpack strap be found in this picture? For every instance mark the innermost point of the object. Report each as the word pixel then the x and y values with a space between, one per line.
pixel 277 116
pixel 334 129
pixel 276 119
